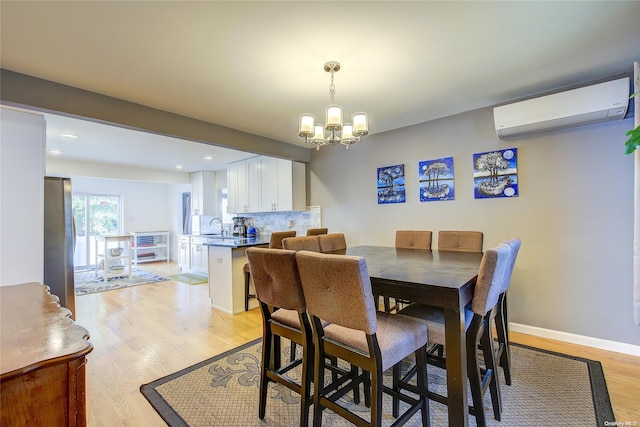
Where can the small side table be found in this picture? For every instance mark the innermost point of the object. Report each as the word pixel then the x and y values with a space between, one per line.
pixel 112 242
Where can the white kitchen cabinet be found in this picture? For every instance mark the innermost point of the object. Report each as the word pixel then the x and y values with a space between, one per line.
pixel 282 185
pixel 266 184
pixel 150 246
pixel 242 183
pixel 184 252
pixel 203 193
pixel 199 255
pixel 253 184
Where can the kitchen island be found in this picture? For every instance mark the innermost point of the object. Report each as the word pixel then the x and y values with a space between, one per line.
pixel 226 276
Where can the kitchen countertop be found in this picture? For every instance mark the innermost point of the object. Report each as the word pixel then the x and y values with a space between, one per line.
pixel 235 242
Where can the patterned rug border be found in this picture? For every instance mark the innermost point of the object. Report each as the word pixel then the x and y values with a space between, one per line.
pixel 599 391
pixel 161 406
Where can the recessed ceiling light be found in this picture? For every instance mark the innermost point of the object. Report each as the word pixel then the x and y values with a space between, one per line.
pixel 69 135
pixel 178 166
pixel 208 157
pixel 55 152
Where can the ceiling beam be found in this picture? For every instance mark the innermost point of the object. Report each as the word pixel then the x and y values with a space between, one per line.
pixel 21 90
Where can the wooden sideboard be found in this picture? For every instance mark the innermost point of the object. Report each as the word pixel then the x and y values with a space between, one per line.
pixel 42 359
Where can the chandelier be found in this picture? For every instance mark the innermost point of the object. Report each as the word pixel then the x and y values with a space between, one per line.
pixel 337 131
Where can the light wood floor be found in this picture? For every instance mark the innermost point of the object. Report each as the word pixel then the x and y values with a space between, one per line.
pixel 145 332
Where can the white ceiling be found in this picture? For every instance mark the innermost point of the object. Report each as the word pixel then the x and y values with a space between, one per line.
pixel 255 66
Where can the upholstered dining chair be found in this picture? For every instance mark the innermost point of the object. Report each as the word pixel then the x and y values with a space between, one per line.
pixel 337 289
pixel 317 231
pixel 408 239
pixel 492 275
pixel 306 243
pixel 413 239
pixel 332 242
pixel 460 241
pixel 275 242
pixel 500 317
pixel 283 309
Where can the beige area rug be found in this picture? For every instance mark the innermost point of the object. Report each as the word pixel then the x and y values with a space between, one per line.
pixel 86 282
pixel 190 278
pixel 548 389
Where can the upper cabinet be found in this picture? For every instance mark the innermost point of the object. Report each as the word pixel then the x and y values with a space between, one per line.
pixel 203 193
pixel 266 184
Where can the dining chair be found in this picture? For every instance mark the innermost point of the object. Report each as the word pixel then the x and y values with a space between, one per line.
pixel 492 274
pixel 413 239
pixel 275 242
pixel 317 231
pixel 332 242
pixel 500 317
pixel 306 243
pixel 283 309
pixel 407 239
pixel 460 241
pixel 337 289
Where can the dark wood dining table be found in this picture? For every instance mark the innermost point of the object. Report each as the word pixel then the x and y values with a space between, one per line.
pixel 438 278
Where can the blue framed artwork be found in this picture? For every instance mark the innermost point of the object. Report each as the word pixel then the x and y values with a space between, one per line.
pixel 495 174
pixel 436 180
pixel 391 184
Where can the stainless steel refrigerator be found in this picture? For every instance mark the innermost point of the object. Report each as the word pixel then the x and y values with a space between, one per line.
pixel 59 241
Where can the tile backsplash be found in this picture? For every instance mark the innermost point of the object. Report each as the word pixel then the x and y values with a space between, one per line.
pixel 268 222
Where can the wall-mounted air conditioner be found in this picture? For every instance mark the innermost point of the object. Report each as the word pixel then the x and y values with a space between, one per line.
pixel 589 104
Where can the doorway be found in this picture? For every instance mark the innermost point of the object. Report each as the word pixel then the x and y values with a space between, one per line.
pixel 94 215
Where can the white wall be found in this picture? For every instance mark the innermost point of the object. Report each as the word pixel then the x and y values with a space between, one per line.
pixel 574 213
pixel 22 145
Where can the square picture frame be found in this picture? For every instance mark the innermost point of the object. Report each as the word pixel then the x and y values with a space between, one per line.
pixel 436 180
pixel 495 174
pixel 391 184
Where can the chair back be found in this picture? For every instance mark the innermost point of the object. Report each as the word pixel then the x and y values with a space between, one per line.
pixel 412 239
pixel 460 241
pixel 491 277
pixel 332 242
pixel 276 278
pixel 337 289
pixel 317 231
pixel 302 243
pixel 275 241
pixel 514 244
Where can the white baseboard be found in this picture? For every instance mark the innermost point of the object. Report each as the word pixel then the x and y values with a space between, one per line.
pixel 618 347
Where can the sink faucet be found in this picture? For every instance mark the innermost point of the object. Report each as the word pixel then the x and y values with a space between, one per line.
pixel 222 230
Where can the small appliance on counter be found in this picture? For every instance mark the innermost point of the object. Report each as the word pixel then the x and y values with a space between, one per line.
pixel 239 227
pixel 251 230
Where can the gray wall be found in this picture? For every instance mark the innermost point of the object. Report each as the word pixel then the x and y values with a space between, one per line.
pixel 574 213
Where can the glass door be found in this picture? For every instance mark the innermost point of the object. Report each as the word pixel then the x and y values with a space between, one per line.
pixel 94 215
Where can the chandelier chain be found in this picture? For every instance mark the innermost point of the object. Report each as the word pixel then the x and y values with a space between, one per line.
pixel 332 88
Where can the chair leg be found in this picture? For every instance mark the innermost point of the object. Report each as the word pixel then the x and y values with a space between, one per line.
pixel 423 385
pixel 502 328
pixel 488 352
pixel 396 381
pixel 318 384
pixel 307 377
pixel 247 282
pixel 376 397
pixel 475 380
pixel 264 379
